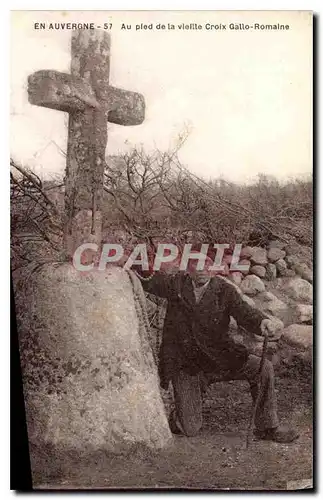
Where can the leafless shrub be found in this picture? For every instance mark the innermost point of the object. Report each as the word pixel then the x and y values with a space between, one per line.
pixel 157 198
pixel 151 197
pixel 36 219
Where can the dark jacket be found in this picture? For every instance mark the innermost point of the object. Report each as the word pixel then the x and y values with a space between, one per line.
pixel 195 335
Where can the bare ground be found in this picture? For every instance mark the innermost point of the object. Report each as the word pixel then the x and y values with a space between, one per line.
pixel 216 458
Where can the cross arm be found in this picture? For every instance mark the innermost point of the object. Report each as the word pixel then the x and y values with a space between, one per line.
pixel 125 107
pixel 61 91
pixel 65 92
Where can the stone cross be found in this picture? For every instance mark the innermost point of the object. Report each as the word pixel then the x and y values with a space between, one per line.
pixel 91 102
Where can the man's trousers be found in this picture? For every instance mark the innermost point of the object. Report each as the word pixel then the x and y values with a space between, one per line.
pixel 188 396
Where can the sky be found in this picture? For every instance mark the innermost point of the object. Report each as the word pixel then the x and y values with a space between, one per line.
pixel 246 95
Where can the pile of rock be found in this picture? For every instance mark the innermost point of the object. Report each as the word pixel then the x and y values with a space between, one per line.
pixel 278 260
pixel 279 282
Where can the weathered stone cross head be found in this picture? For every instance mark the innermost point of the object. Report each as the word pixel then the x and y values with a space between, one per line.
pixel 91 102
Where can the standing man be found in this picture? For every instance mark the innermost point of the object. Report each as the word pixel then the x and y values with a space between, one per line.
pixel 196 341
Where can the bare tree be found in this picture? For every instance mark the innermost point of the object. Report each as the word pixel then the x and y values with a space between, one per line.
pixel 151 196
pixel 36 220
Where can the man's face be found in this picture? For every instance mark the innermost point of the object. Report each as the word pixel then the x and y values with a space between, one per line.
pixel 200 277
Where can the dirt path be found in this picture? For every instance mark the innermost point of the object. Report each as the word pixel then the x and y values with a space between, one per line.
pixel 216 458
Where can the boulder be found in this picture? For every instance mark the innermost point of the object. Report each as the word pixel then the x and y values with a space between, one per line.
pixel 304 272
pixel 90 379
pixel 291 260
pixel 304 313
pixel 279 325
pixel 272 305
pixel 252 285
pixel 275 254
pixel 267 296
pixel 259 256
pixel 246 252
pixel 304 253
pixel 299 290
pixel 300 336
pixel 271 272
pixel 258 271
pixel 276 244
pixel 289 273
pixel 281 267
pixel 293 358
pixel 245 262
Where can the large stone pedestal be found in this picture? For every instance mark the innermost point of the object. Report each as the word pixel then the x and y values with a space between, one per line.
pixel 90 381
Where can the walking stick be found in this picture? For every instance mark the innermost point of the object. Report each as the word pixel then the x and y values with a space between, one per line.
pixel 259 391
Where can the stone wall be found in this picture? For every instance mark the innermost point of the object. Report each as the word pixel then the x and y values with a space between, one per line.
pixel 279 282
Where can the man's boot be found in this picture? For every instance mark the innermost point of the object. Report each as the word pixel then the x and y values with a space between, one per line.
pixel 278 434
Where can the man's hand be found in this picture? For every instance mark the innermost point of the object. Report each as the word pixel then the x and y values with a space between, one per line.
pixel 272 328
